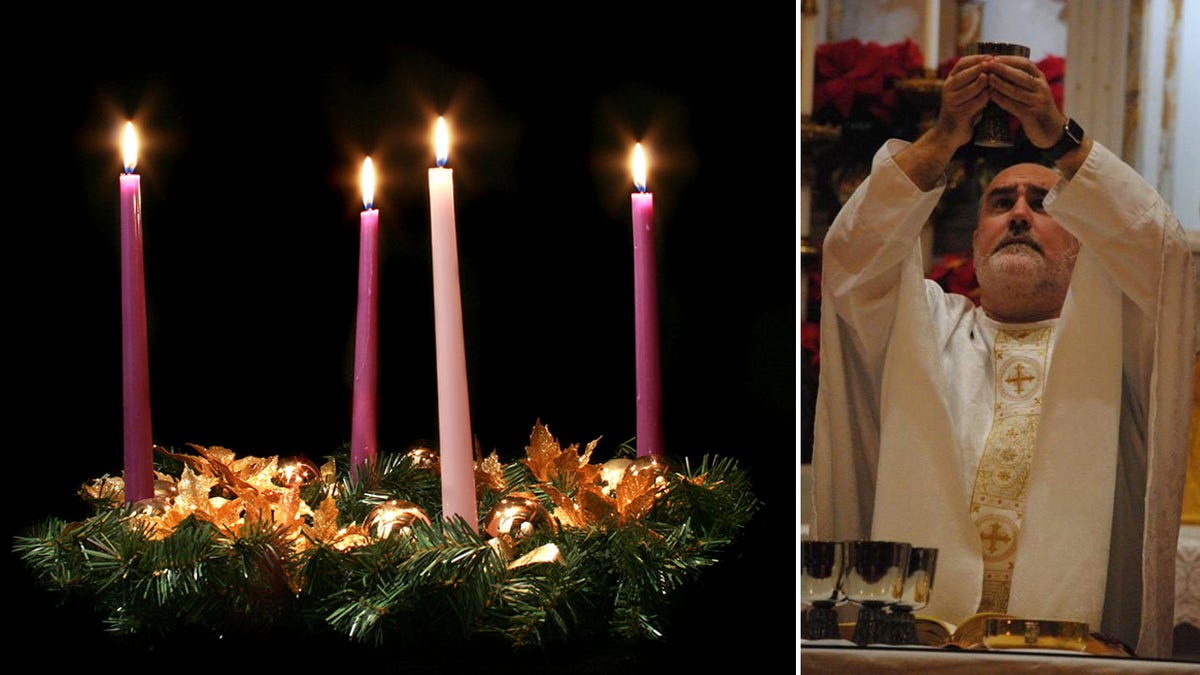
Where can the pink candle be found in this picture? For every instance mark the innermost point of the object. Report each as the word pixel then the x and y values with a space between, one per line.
pixel 645 315
pixel 454 417
pixel 362 435
pixel 139 446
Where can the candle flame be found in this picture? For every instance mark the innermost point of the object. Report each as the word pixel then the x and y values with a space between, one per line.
pixel 368 183
pixel 639 167
pixel 441 142
pixel 130 147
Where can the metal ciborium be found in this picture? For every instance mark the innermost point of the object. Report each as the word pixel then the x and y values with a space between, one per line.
pixel 822 564
pixel 993 130
pixel 918 584
pixel 874 580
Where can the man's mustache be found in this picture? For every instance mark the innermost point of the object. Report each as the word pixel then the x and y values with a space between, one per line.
pixel 1019 239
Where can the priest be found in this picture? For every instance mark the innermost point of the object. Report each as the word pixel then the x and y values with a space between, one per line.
pixel 1038 440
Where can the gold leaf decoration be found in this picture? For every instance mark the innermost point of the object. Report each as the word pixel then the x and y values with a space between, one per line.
pixel 585 494
pixel 489 472
pixel 541 453
pixel 546 553
pixel 550 463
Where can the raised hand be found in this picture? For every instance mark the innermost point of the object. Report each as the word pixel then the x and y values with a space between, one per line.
pixel 964 95
pixel 1015 84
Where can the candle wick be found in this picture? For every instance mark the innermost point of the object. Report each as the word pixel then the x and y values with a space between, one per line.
pixel 441 162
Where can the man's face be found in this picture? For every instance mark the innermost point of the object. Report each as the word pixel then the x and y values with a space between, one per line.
pixel 1020 250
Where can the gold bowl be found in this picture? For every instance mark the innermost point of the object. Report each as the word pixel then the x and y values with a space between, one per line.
pixel 1012 633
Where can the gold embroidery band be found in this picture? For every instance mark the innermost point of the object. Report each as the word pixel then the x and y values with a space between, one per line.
pixel 998 496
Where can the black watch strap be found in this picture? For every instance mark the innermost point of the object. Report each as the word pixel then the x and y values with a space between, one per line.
pixel 1072 137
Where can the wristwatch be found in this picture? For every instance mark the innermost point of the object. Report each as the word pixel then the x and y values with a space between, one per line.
pixel 1071 138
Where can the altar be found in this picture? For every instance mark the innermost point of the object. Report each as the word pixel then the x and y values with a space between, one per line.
pixel 873 660
pixel 1187 575
pixel 1187 593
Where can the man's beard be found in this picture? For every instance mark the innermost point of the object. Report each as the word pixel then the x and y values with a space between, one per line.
pixel 1018 267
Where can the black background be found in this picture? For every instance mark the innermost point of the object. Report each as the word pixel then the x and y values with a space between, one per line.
pixel 253 131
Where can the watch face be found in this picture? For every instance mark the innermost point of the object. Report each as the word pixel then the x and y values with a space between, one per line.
pixel 1074 132
pixel 1072 137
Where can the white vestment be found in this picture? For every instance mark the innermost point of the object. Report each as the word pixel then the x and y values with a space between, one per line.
pixel 905 404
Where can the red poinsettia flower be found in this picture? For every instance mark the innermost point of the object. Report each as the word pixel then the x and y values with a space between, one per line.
pixel 1055 70
pixel 945 67
pixel 850 72
pixel 955 273
pixel 810 342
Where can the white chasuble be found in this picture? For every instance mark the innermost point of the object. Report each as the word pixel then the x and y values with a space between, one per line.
pixel 905 404
pixel 1060 566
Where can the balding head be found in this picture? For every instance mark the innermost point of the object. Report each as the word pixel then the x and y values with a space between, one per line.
pixel 1023 257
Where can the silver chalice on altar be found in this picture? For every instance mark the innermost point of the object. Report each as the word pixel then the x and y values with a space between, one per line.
pixel 822 564
pixel 874 580
pixel 918 584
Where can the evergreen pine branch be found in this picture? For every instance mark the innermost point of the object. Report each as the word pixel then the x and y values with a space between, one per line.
pixel 548 603
pixel 627 449
pixel 435 581
pixel 518 475
pixel 394 476
pixel 42 553
pixel 649 567
pixel 448 573
pixel 534 606
pixel 720 505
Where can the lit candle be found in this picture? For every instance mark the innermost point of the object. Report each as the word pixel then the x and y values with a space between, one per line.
pixel 139 446
pixel 645 315
pixel 454 417
pixel 362 435
pixel 930 23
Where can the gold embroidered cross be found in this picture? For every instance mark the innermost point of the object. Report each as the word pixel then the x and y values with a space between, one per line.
pixel 994 536
pixel 1020 378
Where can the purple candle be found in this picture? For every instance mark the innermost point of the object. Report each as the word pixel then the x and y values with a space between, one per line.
pixel 645 315
pixel 454 416
pixel 362 435
pixel 139 446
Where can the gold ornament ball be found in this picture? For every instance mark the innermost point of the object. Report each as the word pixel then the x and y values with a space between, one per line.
pixel 423 457
pixel 611 473
pixel 150 507
pixel 651 468
pixel 517 515
pixel 394 515
pixel 296 472
pixel 165 490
